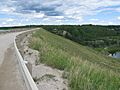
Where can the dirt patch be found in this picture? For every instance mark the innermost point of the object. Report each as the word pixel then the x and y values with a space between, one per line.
pixel 44 76
pixel 48 78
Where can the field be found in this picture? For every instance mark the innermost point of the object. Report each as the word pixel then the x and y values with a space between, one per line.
pixel 84 68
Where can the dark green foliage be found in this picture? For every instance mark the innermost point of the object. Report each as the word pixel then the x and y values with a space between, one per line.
pixel 95 36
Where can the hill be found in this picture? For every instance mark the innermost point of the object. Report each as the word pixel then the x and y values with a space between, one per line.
pixel 85 68
pixel 95 36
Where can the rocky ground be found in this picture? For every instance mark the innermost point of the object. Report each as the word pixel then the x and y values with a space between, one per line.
pixel 45 77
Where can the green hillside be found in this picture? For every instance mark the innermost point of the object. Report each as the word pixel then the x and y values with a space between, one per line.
pixel 95 36
pixel 85 68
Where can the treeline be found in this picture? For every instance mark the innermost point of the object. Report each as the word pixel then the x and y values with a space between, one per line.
pixel 17 27
pixel 95 36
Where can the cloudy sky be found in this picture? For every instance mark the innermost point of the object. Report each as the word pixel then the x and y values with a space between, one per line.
pixel 26 12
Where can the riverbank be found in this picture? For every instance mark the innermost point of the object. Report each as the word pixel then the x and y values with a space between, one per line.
pixel 108 50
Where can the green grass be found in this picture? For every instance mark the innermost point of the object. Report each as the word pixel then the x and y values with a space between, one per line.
pixel 86 69
pixel 108 50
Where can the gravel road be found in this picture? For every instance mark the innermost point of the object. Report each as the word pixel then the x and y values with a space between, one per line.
pixel 10 77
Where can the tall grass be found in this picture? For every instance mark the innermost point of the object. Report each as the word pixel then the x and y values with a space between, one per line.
pixel 86 69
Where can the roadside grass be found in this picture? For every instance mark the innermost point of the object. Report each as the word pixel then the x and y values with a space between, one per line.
pixel 86 69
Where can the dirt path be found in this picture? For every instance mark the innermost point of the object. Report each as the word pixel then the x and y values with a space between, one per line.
pixel 5 41
pixel 10 77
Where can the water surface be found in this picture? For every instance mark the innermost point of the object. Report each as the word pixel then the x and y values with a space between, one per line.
pixel 116 55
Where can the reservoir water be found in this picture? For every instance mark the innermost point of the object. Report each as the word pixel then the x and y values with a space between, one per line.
pixel 116 55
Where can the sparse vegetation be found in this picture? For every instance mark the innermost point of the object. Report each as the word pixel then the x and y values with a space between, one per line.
pixel 86 69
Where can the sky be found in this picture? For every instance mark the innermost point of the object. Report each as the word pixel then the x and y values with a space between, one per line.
pixel 37 12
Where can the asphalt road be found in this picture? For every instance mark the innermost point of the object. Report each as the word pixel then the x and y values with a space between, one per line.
pixel 10 77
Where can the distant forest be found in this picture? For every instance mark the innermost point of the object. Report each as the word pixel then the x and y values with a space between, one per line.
pixel 102 38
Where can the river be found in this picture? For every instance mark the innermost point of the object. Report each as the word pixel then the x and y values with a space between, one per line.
pixel 116 55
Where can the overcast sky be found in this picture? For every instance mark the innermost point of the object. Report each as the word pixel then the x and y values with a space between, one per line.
pixel 26 12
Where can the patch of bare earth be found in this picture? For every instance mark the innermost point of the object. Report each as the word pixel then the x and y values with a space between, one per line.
pixel 45 77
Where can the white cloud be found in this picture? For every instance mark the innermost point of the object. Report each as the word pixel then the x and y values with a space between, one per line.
pixel 26 20
pixel 9 20
pixel 8 9
pixel 118 9
pixel 46 19
pixel 37 15
pixel 118 18
pixel 59 17
pixel 30 15
pixel 94 19
pixel 3 23
pixel 57 10
pixel 102 22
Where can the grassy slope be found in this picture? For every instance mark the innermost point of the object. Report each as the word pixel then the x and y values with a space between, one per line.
pixel 87 69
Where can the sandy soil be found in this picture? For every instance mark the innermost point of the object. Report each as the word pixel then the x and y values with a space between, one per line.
pixel 45 77
pixel 10 78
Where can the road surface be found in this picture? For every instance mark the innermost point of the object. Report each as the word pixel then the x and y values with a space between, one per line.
pixel 10 77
